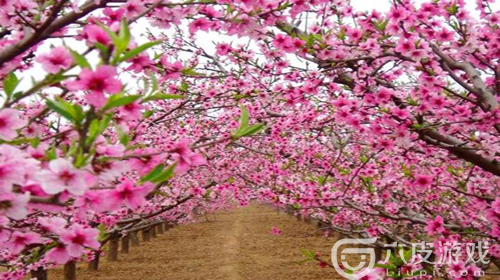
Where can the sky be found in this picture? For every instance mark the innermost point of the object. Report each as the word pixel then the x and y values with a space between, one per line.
pixel 368 5
pixel 384 5
pixel 208 38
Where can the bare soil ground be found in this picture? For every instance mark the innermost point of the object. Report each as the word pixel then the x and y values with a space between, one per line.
pixel 237 245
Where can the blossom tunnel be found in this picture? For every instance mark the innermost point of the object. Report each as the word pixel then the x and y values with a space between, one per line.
pixel 119 115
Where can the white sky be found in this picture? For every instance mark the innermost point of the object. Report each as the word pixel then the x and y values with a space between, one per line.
pixel 368 5
pixel 206 39
pixel 384 5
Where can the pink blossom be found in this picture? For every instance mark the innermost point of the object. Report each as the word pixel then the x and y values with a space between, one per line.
pixel 145 163
pixel 94 34
pixel 113 16
pixel 110 170
pixel 77 238
pixel 223 49
pixel 141 63
pixel 496 206
pixel 172 70
pixel 58 254
pixel 133 8
pixel 14 205
pixel 198 192
pixel 10 121
pixel 133 196
pixel 97 82
pixel 200 24
pixel 9 175
pixel 63 176
pixel 455 269
pixel 4 234
pixel 405 46
pixel 371 274
pixel 282 41
pixel 423 181
pixel 435 226
pixel 185 157
pixel 58 59
pixel 34 189
pixel 131 111
pixel 444 35
pixel 276 231
pixel 52 224
pixel 397 14
pixel 19 240
pixel 95 200
pixel 111 150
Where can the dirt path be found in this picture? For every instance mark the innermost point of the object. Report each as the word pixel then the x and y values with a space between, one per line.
pixel 236 246
pixel 231 251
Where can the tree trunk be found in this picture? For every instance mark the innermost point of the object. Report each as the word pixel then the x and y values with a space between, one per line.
pixel 153 231
pixel 159 228
pixel 70 270
pixel 134 239
pixel 39 274
pixel 145 235
pixel 94 264
pixel 126 244
pixel 113 249
pixel 166 226
pixel 378 254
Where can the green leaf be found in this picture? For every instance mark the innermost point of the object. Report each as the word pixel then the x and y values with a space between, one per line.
pixel 138 50
pixel 153 173
pixel 165 175
pixel 147 114
pixel 190 72
pixel 118 100
pixel 102 232
pixel 104 50
pixel 81 159
pixel 161 96
pixel 308 253
pixel 63 108
pixel 304 261
pixel 386 266
pixel 154 82
pixel 244 118
pixel 123 137
pixel 124 33
pixel 342 34
pixel 381 25
pixel 35 142
pixel 244 129
pixel 322 180
pixel 105 122
pixel 363 158
pixel 121 41
pixel 51 154
pixel 252 129
pixel 10 83
pixel 80 60
pixel 146 85
pixel 184 86
pixel 96 128
pixel 407 171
